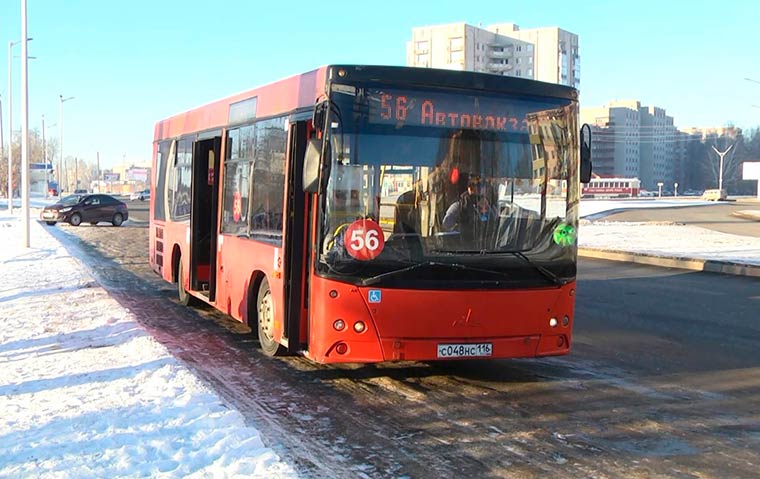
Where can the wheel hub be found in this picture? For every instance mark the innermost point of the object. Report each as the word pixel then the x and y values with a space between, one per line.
pixel 266 315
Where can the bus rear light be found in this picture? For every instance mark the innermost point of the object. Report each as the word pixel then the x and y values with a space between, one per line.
pixel 341 348
pixel 360 327
pixel 339 325
pixel 553 322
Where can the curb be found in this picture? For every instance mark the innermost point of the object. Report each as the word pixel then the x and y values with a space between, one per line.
pixel 710 266
pixel 747 214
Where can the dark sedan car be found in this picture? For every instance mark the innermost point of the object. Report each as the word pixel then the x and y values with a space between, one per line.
pixel 75 209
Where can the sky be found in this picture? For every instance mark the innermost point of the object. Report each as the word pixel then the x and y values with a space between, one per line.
pixel 130 64
pixel 85 391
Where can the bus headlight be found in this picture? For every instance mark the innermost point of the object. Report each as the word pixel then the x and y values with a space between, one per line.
pixel 339 325
pixel 553 322
pixel 359 326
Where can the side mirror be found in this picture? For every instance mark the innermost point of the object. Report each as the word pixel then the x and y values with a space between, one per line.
pixel 585 153
pixel 311 166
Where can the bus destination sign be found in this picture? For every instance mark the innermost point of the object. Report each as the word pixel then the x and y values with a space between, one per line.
pixel 411 108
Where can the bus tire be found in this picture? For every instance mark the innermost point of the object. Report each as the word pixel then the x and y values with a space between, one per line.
pixel 265 321
pixel 185 299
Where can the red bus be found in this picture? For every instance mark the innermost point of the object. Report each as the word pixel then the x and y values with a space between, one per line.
pixel 612 188
pixel 368 213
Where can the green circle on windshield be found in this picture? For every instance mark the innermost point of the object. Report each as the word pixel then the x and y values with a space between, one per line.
pixel 564 234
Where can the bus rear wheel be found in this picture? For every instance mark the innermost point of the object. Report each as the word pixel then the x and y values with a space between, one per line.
pixel 265 320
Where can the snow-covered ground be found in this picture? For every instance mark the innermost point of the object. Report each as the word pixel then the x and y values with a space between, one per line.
pixel 86 392
pixel 677 241
pixel 662 239
pixel 590 209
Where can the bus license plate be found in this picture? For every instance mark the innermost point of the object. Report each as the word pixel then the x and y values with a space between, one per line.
pixel 473 350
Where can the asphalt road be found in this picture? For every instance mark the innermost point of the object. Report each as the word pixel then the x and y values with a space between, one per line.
pixel 663 381
pixel 138 210
pixel 716 217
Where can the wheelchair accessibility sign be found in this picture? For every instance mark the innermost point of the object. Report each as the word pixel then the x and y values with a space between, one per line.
pixel 374 296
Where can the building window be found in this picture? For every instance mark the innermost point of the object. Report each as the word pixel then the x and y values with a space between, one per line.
pixel 456 57
pixel 517 73
pixel 422 46
pixel 422 60
pixel 456 44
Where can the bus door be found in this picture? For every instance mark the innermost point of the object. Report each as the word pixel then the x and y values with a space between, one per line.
pixel 296 244
pixel 203 217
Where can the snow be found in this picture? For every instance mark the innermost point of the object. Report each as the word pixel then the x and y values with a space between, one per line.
pixel 85 391
pixel 676 241
pixel 662 239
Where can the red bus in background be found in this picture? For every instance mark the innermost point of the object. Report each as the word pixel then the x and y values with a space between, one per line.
pixel 365 213
pixel 612 188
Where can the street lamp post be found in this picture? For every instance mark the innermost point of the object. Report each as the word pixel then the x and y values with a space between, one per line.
pixel 675 189
pixel 45 158
pixel 10 123
pixel 2 139
pixel 659 188
pixel 720 171
pixel 24 127
pixel 10 127
pixel 60 124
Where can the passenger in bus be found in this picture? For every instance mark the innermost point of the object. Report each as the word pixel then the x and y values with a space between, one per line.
pixel 472 214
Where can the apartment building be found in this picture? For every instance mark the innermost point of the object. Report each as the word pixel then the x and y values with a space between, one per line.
pixel 615 134
pixel 635 141
pixel 547 54
pixel 657 148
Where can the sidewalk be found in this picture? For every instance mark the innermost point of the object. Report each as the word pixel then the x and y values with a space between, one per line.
pixel 86 392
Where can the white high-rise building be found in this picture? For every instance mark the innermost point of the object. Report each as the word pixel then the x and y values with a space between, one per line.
pixel 547 54
pixel 633 141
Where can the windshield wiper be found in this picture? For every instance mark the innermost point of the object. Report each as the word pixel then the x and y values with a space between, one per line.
pixel 548 274
pixel 457 266
pixel 545 272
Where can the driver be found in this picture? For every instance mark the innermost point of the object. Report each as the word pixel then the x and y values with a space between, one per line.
pixel 471 212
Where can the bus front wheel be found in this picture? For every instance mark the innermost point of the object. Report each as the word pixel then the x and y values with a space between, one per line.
pixel 265 320
pixel 184 298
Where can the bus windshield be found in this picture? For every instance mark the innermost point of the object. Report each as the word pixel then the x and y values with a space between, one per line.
pixel 469 179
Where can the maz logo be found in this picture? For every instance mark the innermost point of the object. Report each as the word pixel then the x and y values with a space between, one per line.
pixel 466 321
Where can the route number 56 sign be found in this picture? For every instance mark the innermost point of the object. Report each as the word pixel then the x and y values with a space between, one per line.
pixel 364 239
